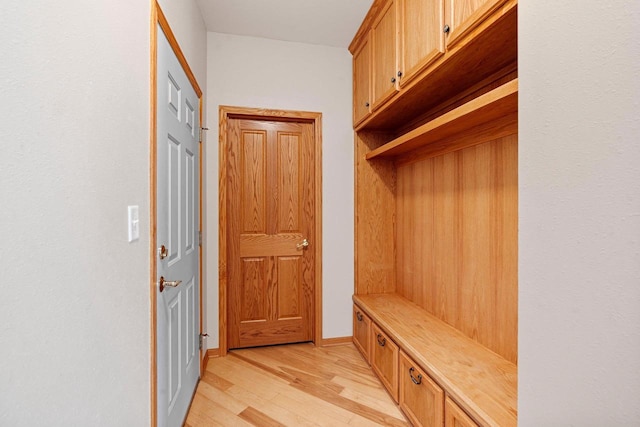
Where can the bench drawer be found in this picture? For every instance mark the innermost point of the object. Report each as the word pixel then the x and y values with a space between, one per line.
pixel 384 360
pixel 421 399
pixel 362 332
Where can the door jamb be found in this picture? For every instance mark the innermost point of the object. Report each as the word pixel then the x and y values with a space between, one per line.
pixel 159 19
pixel 225 113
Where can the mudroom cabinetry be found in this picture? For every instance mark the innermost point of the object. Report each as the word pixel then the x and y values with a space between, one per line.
pixel 436 175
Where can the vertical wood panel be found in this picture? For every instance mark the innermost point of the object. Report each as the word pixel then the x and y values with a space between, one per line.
pixel 289 180
pixel 375 183
pixel 289 292
pixel 253 209
pixel 254 285
pixel 457 240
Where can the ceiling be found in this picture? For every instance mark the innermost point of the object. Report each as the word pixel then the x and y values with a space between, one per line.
pixel 323 22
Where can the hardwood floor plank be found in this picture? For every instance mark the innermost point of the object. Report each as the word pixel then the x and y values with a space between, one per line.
pixel 258 418
pixel 294 385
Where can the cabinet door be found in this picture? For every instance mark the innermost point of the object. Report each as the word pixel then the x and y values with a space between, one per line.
pixel 421 399
pixel 462 16
pixel 384 360
pixel 362 82
pixel 361 331
pixel 421 36
pixel 383 48
pixel 456 417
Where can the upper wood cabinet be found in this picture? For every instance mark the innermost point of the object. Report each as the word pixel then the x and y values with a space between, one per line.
pixel 384 46
pixel 421 36
pixel 462 16
pixel 362 81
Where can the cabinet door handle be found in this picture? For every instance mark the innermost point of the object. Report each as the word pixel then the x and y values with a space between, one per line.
pixel 381 340
pixel 359 316
pixel 399 73
pixel 366 104
pixel 393 79
pixel 416 380
pixel 446 29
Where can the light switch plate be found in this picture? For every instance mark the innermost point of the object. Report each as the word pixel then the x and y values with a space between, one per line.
pixel 134 222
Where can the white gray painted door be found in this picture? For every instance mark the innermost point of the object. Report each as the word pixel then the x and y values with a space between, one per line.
pixel 177 308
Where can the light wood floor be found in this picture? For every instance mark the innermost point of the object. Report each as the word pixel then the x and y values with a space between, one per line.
pixel 292 385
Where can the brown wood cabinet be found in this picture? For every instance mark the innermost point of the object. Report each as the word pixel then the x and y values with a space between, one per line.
pixel 436 193
pixel 384 360
pixel 362 81
pixel 384 46
pixel 421 399
pixel 456 417
pixel 421 36
pixel 362 332
pixel 462 16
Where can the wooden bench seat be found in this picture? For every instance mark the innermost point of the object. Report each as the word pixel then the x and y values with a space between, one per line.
pixel 482 382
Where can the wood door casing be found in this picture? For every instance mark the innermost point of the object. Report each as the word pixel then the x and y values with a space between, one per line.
pixel 271 208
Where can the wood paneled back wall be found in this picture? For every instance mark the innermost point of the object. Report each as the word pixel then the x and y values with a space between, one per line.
pixel 457 240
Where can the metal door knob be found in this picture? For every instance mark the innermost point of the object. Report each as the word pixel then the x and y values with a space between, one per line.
pixel 304 244
pixel 163 252
pixel 170 283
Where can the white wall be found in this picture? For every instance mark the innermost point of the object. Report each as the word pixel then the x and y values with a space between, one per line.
pixel 579 283
pixel 74 149
pixel 254 72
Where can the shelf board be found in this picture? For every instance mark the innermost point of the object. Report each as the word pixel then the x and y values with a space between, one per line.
pixel 492 106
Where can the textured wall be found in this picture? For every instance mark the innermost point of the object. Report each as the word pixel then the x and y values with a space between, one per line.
pixel 74 149
pixel 254 72
pixel 579 273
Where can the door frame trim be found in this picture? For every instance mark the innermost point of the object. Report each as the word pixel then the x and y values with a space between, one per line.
pixel 225 113
pixel 158 18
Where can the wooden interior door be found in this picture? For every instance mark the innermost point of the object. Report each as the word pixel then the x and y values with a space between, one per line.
pixel 270 214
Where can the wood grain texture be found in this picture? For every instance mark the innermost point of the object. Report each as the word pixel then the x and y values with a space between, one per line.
pixel 421 399
pixel 295 385
pixel 486 48
pixel 462 16
pixel 362 333
pixel 228 113
pixel 384 359
pixel 421 36
pixel 481 381
pixel 456 417
pixel 457 241
pixel 375 188
pixel 478 113
pixel 274 163
pixel 362 82
pixel 384 47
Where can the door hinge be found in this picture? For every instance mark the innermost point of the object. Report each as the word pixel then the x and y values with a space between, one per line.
pixel 201 340
pixel 199 238
pixel 201 132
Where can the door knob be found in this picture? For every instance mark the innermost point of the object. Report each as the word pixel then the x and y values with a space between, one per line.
pixel 170 283
pixel 163 252
pixel 304 244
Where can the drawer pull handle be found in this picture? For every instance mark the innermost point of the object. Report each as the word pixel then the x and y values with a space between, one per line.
pixel 381 340
pixel 416 381
pixel 359 316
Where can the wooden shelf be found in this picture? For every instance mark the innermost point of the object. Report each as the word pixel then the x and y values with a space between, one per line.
pixel 498 108
pixel 478 379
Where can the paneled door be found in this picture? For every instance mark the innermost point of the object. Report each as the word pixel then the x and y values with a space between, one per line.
pixel 271 232
pixel 177 308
